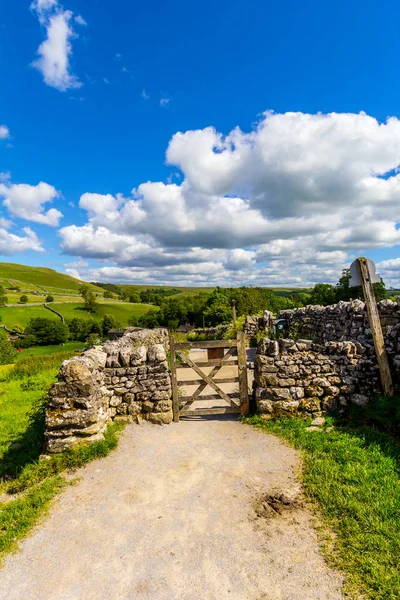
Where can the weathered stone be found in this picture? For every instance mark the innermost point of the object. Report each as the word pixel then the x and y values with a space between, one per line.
pixel 310 405
pixel 156 353
pixel 139 356
pixel 160 395
pixel 314 390
pixel 161 418
pixel 359 399
pixel 116 401
pixel 321 382
pixel 147 406
pixel 163 406
pixel 297 392
pixel 274 394
pixel 318 421
pixel 134 408
pixel 267 379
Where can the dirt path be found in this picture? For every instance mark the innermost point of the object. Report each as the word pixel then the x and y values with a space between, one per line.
pixel 170 516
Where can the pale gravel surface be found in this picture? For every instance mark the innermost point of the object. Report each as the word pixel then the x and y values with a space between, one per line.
pixel 169 516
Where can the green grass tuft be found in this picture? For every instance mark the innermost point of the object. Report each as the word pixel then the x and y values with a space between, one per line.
pixel 352 474
pixel 19 516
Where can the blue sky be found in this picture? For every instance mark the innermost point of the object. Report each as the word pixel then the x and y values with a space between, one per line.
pixel 147 125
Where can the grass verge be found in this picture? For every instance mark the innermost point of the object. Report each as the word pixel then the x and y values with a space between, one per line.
pixel 23 400
pixel 352 475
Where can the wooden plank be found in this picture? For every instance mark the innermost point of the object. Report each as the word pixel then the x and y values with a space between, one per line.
pixel 210 411
pixel 213 353
pixel 207 397
pixel 215 370
pixel 196 381
pixel 206 378
pixel 209 363
pixel 209 344
pixel 375 325
pixel 175 399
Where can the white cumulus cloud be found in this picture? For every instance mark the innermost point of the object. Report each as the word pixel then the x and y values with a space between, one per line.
pixel 55 52
pixel 28 202
pixel 289 202
pixel 12 244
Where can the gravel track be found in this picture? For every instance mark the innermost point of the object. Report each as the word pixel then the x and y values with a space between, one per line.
pixel 170 515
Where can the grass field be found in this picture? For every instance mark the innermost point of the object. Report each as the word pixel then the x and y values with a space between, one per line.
pixel 69 347
pixel 20 315
pixel 351 475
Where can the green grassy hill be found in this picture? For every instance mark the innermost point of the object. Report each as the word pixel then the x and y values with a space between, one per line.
pixel 21 315
pixel 41 279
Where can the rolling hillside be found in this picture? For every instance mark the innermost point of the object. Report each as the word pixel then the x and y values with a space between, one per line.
pixel 40 279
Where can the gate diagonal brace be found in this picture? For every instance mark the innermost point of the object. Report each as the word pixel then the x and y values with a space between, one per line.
pixel 208 380
pixel 214 372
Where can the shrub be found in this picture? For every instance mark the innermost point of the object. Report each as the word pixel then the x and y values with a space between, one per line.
pixel 50 298
pixel 7 351
pixel 24 299
pixel 47 331
pixel 93 340
pixel 3 297
pixel 108 322
pixel 27 341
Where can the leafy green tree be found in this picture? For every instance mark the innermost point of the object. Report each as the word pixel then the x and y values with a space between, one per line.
pixel 3 296
pixel 301 299
pixel 23 299
pixel 108 322
pixel 88 297
pixel 79 329
pixel 135 298
pixel 47 331
pixel 346 293
pixel 218 309
pixel 49 298
pixel 7 351
pixel 323 294
pixel 94 339
pixel 108 294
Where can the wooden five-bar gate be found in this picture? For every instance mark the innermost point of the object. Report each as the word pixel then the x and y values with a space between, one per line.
pixel 221 353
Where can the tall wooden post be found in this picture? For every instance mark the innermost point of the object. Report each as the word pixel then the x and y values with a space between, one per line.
pixel 375 325
pixel 242 365
pixel 175 398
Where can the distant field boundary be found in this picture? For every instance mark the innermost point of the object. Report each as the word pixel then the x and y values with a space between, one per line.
pixel 54 311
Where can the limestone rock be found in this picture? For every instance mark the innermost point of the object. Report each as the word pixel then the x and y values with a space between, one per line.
pixel 157 353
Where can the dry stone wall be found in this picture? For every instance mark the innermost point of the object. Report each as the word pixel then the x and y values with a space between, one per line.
pixel 293 377
pixel 127 378
pixel 342 321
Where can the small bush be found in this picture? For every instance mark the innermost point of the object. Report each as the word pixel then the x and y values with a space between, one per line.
pixel 49 298
pixel 7 352
pixel 47 331
pixel 24 299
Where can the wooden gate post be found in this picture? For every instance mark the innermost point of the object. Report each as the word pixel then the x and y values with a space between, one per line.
pixel 175 398
pixel 242 365
pixel 376 328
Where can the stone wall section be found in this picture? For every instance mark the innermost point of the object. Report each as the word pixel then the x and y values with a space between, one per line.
pixel 293 377
pixel 342 321
pixel 254 324
pixel 127 378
